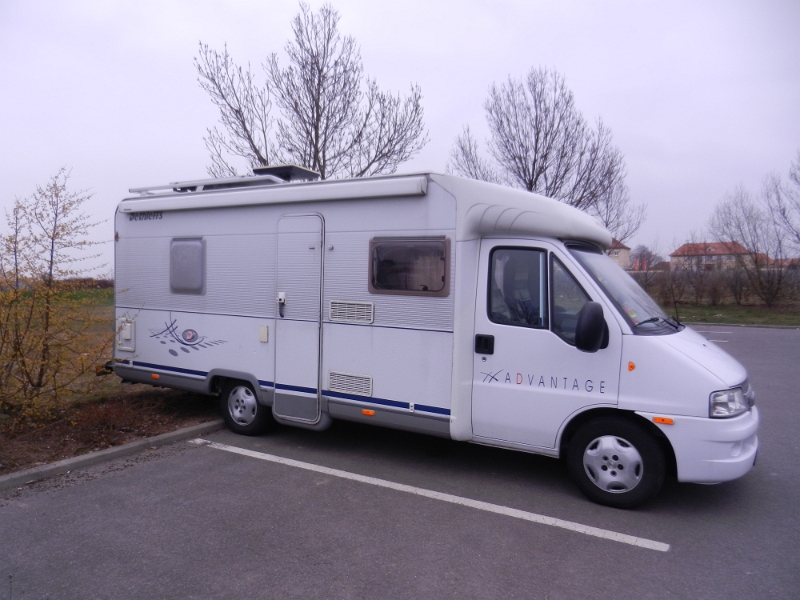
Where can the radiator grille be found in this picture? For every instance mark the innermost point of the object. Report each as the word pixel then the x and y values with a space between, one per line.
pixel 346 383
pixel 352 312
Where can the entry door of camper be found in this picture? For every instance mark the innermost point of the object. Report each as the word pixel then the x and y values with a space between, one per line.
pixel 298 324
pixel 529 377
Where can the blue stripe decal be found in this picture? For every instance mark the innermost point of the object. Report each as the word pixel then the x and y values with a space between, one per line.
pixel 295 388
pixel 432 409
pixel 292 388
pixel 420 407
pixel 166 368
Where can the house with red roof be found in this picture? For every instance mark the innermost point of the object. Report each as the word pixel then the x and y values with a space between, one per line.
pixel 709 256
pixel 620 254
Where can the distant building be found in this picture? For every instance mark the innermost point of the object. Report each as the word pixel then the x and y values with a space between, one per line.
pixel 660 266
pixel 709 256
pixel 787 263
pixel 620 254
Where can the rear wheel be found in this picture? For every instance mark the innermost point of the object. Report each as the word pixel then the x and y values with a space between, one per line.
pixel 616 462
pixel 242 412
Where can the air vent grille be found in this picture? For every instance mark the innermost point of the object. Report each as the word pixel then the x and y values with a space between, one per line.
pixel 347 383
pixel 352 312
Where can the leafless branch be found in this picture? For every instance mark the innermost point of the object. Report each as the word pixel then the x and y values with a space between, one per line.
pixel 331 119
pixel 784 202
pixel 744 219
pixel 465 160
pixel 615 211
pixel 540 142
pixel 244 110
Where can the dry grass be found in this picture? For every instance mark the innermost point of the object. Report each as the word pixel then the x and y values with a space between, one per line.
pixel 732 314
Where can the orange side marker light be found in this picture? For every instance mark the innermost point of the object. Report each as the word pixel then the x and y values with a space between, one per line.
pixel 663 420
pixel 367 412
pixel 631 366
pixel 154 376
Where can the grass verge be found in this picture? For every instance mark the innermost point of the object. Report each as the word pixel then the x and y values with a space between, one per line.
pixel 786 316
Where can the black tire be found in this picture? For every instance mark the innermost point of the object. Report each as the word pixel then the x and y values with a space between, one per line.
pixel 616 462
pixel 241 410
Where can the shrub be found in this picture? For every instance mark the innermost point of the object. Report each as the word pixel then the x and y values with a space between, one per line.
pixel 49 338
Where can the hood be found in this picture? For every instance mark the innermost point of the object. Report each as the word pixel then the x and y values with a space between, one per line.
pixel 708 355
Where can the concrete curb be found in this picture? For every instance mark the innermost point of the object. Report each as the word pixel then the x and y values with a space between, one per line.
pixel 21 478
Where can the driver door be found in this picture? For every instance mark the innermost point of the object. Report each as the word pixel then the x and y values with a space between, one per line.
pixel 528 375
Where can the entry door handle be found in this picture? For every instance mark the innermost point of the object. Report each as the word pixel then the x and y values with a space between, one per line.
pixel 281 302
pixel 484 344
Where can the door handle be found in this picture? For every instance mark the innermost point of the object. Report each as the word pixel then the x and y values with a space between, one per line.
pixel 484 344
pixel 281 303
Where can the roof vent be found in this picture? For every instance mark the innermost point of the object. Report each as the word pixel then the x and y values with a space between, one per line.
pixel 287 172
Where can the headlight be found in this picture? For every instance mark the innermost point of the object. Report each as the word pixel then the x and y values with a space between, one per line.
pixel 727 403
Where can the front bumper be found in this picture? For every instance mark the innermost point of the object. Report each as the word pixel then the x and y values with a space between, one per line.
pixel 712 450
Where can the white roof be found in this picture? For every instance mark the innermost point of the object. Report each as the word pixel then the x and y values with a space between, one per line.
pixel 482 209
pixel 490 209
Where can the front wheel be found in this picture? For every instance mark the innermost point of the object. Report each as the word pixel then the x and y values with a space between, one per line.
pixel 241 410
pixel 616 462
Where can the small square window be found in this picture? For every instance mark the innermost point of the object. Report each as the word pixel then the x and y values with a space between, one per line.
pixel 187 266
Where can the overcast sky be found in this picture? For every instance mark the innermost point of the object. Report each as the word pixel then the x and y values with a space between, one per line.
pixel 701 96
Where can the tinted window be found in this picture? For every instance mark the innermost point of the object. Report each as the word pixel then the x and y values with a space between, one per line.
pixel 568 299
pixel 409 266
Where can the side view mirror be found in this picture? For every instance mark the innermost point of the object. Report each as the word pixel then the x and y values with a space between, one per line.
pixel 590 330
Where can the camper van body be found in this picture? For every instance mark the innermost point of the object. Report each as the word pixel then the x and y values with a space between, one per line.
pixel 376 300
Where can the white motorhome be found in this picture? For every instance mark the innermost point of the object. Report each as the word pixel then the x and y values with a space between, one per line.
pixel 428 303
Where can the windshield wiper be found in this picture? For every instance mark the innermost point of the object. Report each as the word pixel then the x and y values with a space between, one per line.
pixel 669 321
pixel 650 320
pixel 675 323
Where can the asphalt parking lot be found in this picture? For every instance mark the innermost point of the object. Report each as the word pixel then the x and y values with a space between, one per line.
pixel 357 512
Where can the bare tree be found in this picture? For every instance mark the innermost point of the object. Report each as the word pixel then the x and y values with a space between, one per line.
pixel 671 288
pixel 244 110
pixel 646 258
pixel 540 142
pixel 746 219
pixel 331 120
pixel 698 265
pixel 615 212
pixel 735 281
pixel 784 201
pixel 643 261
pixel 465 160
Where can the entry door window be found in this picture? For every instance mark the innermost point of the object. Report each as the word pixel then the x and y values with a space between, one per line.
pixel 517 287
pixel 568 299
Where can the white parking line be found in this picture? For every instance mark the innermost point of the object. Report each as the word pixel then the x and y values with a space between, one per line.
pixel 712 331
pixel 485 506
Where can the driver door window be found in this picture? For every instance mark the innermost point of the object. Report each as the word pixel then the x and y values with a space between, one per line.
pixel 567 300
pixel 517 290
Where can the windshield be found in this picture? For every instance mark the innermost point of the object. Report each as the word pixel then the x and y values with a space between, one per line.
pixel 641 311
